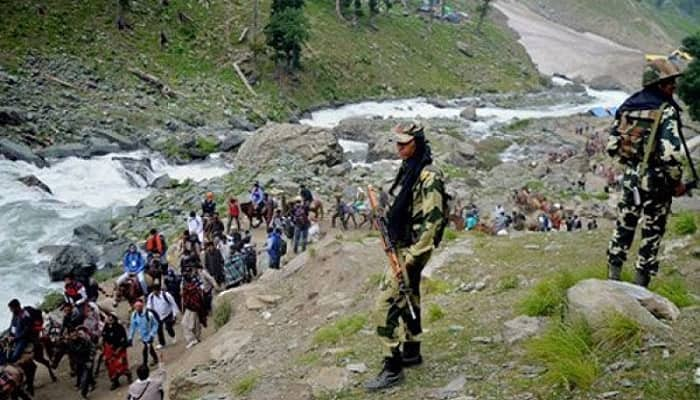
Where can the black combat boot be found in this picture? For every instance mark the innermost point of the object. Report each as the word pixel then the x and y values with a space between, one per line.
pixel 614 272
pixel 115 384
pixel 642 278
pixel 391 375
pixel 411 354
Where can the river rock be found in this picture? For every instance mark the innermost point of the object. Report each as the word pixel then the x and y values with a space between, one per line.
pixel 33 181
pixel 14 151
pixel 382 148
pixel 241 123
pixel 76 259
pixel 606 82
pixel 98 146
pixel 92 233
pixel 124 142
pixel 595 299
pixel 231 142
pixel 138 171
pixel 76 149
pixel 12 116
pixel 275 141
pixel 162 182
pixel 468 113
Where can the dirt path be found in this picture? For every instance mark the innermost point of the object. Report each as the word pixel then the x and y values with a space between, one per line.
pixel 555 48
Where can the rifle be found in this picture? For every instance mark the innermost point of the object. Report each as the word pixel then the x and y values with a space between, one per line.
pixel 694 183
pixel 389 248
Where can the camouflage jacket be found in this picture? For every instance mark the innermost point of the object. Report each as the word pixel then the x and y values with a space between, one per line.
pixel 665 169
pixel 427 210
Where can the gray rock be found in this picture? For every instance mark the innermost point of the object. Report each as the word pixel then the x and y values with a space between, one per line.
pixel 100 146
pixel 12 116
pixel 522 327
pixel 229 346
pixel 451 253
pixel 605 82
pixel 626 383
pixel 341 169
pixel 464 48
pixel 468 113
pixel 92 233
pixel 274 141
pixel 123 142
pixel 452 389
pixel 14 151
pixel 162 182
pixel 595 299
pixel 33 181
pixel 482 340
pixel 81 150
pixel 241 123
pixel 609 395
pixel 113 253
pixel 231 142
pixel 150 211
pixel 215 396
pixel 139 171
pixel 76 259
pixel 360 368
pixel 330 379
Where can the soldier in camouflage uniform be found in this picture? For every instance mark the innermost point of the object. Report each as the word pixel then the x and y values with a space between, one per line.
pixel 415 222
pixel 645 139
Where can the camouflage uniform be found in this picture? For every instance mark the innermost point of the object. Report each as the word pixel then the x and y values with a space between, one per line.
pixel 394 321
pixel 652 184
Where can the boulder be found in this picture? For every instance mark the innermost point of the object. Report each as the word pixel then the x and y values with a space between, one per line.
pixel 594 300
pixel 92 233
pixel 468 113
pixel 241 123
pixel 231 142
pixel 12 116
pixel 76 259
pixel 99 147
pixel 81 150
pixel 162 182
pixel 382 148
pixel 138 171
pixel 230 345
pixel 275 141
pixel 33 181
pixel 14 151
pixel 464 48
pixel 606 82
pixel 124 142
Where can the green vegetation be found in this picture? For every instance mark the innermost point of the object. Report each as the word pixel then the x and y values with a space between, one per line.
pixel 222 314
pixel 689 86
pixel 508 282
pixel 405 57
pixel 206 146
pixel 435 286
pixel 619 334
pixel 287 31
pixel 106 274
pixel 566 350
pixel 518 125
pixel 435 313
pixel 548 297
pixel 674 289
pixel 450 235
pixel 684 223
pixel 341 329
pixel 52 301
pixel 245 385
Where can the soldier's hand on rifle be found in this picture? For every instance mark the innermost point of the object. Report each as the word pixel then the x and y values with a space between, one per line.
pixel 679 190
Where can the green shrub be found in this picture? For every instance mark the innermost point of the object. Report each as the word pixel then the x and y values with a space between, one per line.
pixel 620 333
pixel 435 313
pixel 222 314
pixel 684 224
pixel 508 282
pixel 52 300
pixel 566 350
pixel 206 146
pixel 341 329
pixel 435 286
pixel 675 290
pixel 449 235
pixel 244 386
pixel 602 196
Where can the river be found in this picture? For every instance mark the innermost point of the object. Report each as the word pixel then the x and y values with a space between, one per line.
pixel 93 190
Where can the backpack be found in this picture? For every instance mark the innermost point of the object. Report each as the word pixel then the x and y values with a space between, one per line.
pixel 301 217
pixel 283 247
pixel 37 318
pixel 439 185
pixel 192 298
pixel 633 129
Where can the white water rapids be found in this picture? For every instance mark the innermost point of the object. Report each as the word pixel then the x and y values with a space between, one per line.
pixel 91 190
pixel 83 191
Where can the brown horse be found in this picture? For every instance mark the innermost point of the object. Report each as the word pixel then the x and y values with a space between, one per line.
pixel 250 211
pixel 130 290
pixel 316 207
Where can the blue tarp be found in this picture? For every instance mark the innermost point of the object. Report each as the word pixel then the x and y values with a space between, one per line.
pixel 601 112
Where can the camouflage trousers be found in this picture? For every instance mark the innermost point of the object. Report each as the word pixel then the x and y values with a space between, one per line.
pixel 392 314
pixel 653 210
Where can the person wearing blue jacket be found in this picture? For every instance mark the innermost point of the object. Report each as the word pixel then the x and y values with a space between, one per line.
pixel 274 247
pixel 20 330
pixel 134 264
pixel 146 324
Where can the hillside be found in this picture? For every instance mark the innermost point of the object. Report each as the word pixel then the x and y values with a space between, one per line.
pixel 73 56
pixel 650 25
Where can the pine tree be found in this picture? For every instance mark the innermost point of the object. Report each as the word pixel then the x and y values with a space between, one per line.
pixel 287 31
pixel 689 86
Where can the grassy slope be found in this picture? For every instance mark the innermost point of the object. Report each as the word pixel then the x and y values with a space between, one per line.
pixel 341 62
pixel 633 23
pixel 499 370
